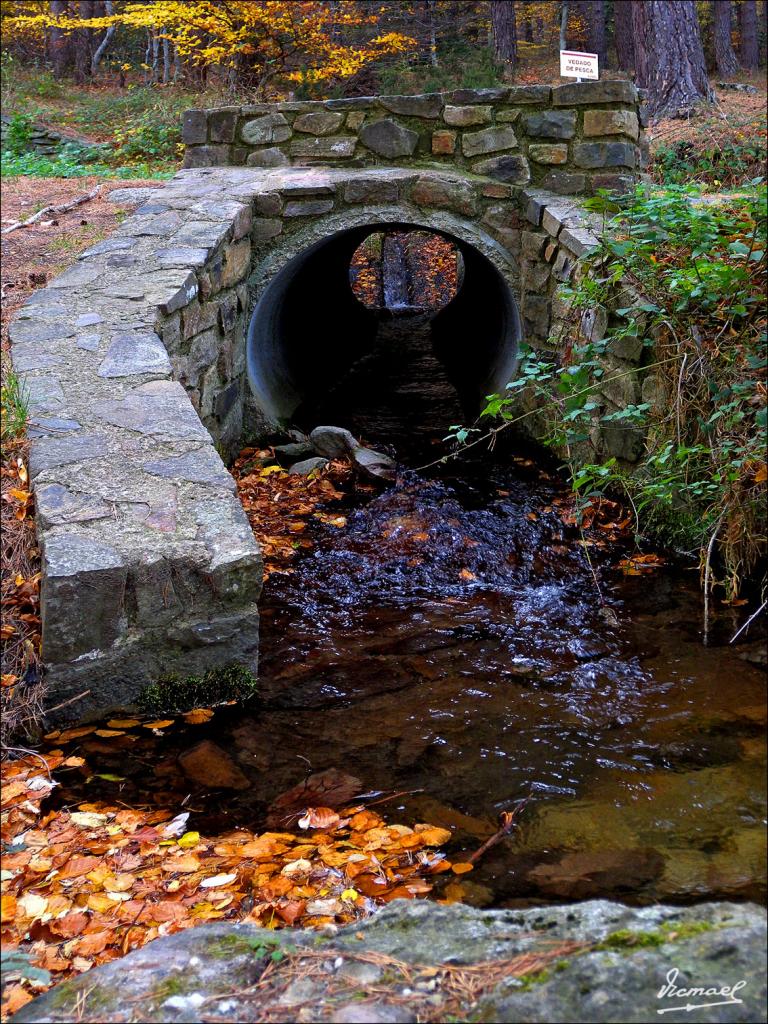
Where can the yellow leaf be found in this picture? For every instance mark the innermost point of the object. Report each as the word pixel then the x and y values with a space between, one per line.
pixel 350 894
pixel 268 470
pixel 189 839
pixel 110 732
pixel 123 723
pixel 163 723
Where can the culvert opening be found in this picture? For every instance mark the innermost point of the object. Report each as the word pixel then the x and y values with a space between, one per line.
pixel 390 330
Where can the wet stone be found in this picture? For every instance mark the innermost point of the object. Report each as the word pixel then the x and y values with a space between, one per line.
pixel 132 354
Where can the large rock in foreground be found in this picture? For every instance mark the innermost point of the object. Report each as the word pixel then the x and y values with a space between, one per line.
pixel 590 962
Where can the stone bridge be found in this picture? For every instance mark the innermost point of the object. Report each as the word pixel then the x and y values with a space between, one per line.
pixel 224 300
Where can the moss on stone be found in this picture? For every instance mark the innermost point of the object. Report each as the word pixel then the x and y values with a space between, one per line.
pixel 175 693
pixel 626 939
pixel 170 986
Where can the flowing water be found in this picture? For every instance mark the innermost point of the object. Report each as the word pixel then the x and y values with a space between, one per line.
pixel 450 644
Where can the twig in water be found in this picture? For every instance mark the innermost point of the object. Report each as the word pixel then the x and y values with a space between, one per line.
pixel 508 822
pixel 71 700
pixel 748 622
pixel 707 575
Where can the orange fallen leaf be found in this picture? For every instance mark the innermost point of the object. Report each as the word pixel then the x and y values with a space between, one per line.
pixel 163 723
pixel 462 868
pixel 198 715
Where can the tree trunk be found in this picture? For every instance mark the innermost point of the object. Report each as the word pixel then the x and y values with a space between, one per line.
pixel 432 30
pixel 101 48
pixel 749 50
pixel 166 60
pixel 504 32
pixel 623 35
pixel 725 57
pixel 61 43
pixel 594 13
pixel 83 43
pixel 669 56
pixel 564 25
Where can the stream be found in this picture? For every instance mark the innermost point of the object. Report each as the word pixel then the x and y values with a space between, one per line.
pixel 450 644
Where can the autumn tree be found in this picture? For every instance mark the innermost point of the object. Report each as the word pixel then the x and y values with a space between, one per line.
pixel 725 57
pixel 623 35
pixel 749 51
pixel 504 32
pixel 589 17
pixel 669 55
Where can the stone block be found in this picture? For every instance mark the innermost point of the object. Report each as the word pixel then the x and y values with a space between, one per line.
pixel 228 308
pixel 56 505
pixel 222 124
pixel 594 322
pixel 536 313
pixel 270 157
pixel 352 103
pixel 605 154
pixel 444 143
pixel 206 156
pixel 543 153
pixel 535 276
pixel 611 122
pixel 200 466
pixel 579 241
pixel 265 228
pixel 355 119
pixel 159 409
pixel 513 169
pixel 371 190
pixel 268 204
pixel 488 140
pixel 269 128
pixel 194 127
pixel 564 183
pixel 469 115
pixel 508 116
pixel 388 139
pixel 606 91
pixel 320 122
pixel 497 190
pixel 424 105
pixel 65 451
pixel 130 354
pixel 445 194
pixel 551 124
pixel 197 317
pixel 237 258
pixel 82 596
pixel 308 208
pixel 621 183
pixel 462 96
pixel 533 244
pixel 329 147
pixel 521 94
pixel 181 256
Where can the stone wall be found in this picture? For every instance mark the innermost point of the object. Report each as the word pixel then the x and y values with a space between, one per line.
pixel 569 139
pixel 43 140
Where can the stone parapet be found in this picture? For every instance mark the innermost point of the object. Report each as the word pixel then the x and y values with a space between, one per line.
pixel 570 139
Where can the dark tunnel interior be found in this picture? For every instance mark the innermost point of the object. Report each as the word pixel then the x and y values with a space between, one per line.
pixel 317 354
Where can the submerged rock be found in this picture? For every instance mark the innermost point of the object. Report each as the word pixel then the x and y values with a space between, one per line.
pixel 374 464
pixel 208 765
pixel 599 962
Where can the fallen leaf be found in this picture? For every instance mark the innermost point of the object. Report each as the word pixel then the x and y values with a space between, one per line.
pixel 217 880
pixel 198 715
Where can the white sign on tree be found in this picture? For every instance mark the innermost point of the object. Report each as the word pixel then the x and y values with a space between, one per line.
pixel 578 65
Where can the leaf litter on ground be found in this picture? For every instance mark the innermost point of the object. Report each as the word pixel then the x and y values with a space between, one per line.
pixel 85 885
